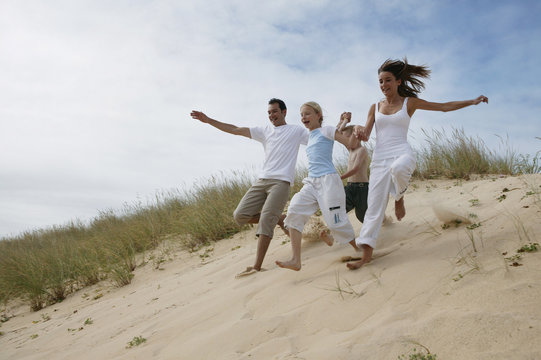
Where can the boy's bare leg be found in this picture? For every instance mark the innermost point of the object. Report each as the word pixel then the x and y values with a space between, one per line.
pixel 295 262
pixel 326 237
pixel 367 257
pixel 399 209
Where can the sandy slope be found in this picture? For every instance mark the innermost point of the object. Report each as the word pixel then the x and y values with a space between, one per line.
pixel 429 287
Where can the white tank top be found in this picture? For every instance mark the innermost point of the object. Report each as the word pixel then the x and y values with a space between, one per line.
pixel 392 133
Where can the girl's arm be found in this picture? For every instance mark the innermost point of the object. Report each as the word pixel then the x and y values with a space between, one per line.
pixel 420 104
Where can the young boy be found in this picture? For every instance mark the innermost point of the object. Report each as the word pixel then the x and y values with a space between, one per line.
pixel 357 174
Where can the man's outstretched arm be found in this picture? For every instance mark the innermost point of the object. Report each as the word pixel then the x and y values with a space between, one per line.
pixel 228 128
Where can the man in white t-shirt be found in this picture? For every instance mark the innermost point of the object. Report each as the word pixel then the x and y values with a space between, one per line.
pixel 265 200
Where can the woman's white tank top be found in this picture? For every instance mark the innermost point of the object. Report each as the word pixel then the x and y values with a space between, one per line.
pixel 392 133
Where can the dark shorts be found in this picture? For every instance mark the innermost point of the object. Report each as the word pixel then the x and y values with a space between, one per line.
pixel 357 198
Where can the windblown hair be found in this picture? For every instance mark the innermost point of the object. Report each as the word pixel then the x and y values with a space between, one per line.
pixel 314 105
pixel 280 103
pixel 410 75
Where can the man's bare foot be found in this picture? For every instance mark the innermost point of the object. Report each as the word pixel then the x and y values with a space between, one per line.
pixel 325 236
pixel 399 209
pixel 291 264
pixel 352 243
pixel 281 224
pixel 367 257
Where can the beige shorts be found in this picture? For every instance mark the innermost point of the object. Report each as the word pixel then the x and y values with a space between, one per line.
pixel 266 199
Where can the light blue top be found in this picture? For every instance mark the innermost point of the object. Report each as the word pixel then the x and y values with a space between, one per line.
pixel 319 151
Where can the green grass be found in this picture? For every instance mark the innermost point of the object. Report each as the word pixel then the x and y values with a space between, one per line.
pixel 44 266
pixel 458 156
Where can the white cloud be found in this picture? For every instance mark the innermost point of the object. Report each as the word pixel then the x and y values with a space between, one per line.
pixel 95 96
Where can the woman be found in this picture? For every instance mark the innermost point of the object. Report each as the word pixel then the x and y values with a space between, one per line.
pixel 322 188
pixel 393 161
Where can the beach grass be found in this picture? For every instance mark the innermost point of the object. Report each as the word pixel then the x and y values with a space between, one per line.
pixel 44 266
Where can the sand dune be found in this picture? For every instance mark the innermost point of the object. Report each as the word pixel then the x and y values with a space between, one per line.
pixel 427 286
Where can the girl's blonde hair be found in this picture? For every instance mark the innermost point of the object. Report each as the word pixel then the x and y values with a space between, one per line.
pixel 314 105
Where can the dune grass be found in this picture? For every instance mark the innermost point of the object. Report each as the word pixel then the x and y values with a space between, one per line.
pixel 458 156
pixel 44 266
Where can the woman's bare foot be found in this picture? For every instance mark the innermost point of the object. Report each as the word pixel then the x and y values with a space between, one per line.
pixel 367 257
pixel 399 209
pixel 325 236
pixel 281 224
pixel 291 264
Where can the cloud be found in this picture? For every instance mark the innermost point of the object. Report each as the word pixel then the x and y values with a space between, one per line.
pixel 95 96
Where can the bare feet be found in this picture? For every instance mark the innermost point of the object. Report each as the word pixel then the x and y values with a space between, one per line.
pixel 367 257
pixel 399 209
pixel 291 264
pixel 352 243
pixel 281 224
pixel 249 271
pixel 325 236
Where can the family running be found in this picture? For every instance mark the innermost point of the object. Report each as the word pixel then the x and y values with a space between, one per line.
pixel 391 167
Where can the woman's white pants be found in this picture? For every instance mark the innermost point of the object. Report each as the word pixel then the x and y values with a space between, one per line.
pixel 387 177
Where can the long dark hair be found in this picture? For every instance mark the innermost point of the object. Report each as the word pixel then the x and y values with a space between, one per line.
pixel 410 75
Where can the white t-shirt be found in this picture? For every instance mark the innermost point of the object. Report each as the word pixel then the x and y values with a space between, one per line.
pixel 281 145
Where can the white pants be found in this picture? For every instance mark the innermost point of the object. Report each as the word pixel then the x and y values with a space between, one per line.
pixel 327 194
pixel 387 177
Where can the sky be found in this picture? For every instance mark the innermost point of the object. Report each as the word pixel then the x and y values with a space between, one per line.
pixel 95 95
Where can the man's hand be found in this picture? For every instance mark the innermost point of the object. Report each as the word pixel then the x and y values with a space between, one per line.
pixel 198 115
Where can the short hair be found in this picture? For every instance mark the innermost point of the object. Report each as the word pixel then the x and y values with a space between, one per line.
pixel 280 103
pixel 314 105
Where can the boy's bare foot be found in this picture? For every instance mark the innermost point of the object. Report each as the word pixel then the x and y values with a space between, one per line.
pixel 291 264
pixel 399 209
pixel 281 224
pixel 325 236
pixel 367 257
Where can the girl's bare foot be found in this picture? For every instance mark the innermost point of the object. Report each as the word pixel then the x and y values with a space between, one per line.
pixel 281 224
pixel 399 209
pixel 325 236
pixel 291 264
pixel 367 257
